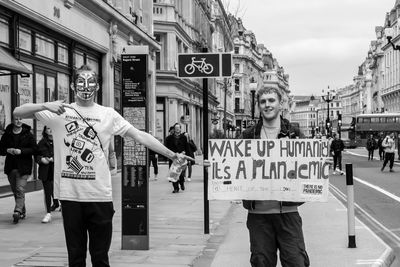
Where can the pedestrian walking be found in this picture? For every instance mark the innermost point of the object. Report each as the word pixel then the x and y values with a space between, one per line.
pixel 398 146
pixel 274 225
pixel 380 147
pixel 82 132
pixel 19 146
pixel 45 160
pixel 178 143
pixel 153 157
pixel 390 147
pixel 371 146
pixel 337 146
pixel 192 151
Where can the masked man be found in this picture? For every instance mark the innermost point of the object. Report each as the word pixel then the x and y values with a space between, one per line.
pixel 82 182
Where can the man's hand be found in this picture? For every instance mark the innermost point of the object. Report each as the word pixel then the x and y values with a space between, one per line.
pixel 17 151
pixel 181 157
pixel 11 151
pixel 44 160
pixel 57 107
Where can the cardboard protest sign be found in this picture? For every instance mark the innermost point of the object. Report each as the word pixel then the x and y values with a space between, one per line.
pixel 268 169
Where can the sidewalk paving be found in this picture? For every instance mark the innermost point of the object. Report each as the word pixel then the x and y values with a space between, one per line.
pixel 177 236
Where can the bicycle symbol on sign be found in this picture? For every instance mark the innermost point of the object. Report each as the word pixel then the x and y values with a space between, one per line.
pixel 200 65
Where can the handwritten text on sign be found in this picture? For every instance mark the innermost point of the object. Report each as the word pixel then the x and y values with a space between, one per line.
pixel 273 169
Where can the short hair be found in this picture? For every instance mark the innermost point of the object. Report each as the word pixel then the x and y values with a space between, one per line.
pixel 44 133
pixel 269 90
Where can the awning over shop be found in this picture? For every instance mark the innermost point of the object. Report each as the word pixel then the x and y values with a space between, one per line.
pixel 10 66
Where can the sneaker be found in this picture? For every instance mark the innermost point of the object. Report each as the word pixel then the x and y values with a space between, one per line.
pixel 155 177
pixel 382 169
pixel 188 179
pixel 391 170
pixel 341 172
pixel 183 187
pixel 175 191
pixel 16 217
pixel 46 218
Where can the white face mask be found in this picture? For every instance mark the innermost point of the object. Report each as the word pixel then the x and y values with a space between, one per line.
pixel 86 85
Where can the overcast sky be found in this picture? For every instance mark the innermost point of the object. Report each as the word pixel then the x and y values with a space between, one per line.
pixel 318 42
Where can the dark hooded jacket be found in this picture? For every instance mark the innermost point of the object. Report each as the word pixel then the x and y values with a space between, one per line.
pixel 26 143
pixel 45 149
pixel 254 132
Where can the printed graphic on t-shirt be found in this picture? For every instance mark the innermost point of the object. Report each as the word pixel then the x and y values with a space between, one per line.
pixel 82 143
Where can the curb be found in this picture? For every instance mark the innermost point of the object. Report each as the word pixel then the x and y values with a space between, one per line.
pixel 386 259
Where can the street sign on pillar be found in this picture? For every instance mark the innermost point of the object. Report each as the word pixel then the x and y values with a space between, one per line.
pixel 206 65
pixel 135 190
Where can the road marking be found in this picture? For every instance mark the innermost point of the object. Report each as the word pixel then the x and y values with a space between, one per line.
pixel 366 156
pixel 394 238
pixel 377 188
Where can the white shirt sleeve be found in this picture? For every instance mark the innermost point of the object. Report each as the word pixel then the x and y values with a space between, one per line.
pixel 120 125
pixel 45 116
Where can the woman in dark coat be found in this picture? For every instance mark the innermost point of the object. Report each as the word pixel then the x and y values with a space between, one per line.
pixel 46 171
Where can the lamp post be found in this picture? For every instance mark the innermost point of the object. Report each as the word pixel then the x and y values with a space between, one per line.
pixel 328 98
pixel 389 36
pixel 253 87
pixel 226 84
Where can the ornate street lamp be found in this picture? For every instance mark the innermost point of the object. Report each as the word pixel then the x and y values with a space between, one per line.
pixel 253 87
pixel 389 37
pixel 328 98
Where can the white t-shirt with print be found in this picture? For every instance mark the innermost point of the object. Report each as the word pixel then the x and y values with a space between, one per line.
pixel 81 171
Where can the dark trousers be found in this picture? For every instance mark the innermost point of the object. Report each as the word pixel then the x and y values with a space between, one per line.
pixel 272 232
pixel 337 160
pixel 154 162
pixel 17 184
pixel 381 153
pixel 87 218
pixel 189 167
pixel 48 193
pixel 389 157
pixel 370 154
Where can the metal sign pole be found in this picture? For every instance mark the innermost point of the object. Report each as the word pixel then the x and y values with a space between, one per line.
pixel 205 152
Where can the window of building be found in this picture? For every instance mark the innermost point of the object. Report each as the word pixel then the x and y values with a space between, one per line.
pixel 158 59
pixel 237 104
pixel 79 59
pixel 93 64
pixel 63 86
pixel 236 50
pixel 25 39
pixel 44 47
pixel 237 84
pixel 4 33
pixel 62 54
pixel 237 68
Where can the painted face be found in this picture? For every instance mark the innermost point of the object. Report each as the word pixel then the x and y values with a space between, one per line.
pixel 86 85
pixel 17 122
pixel 270 106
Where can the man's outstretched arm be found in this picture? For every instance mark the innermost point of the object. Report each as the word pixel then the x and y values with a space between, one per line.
pixel 28 110
pixel 152 143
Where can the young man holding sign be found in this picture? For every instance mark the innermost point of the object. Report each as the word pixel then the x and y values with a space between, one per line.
pixel 274 224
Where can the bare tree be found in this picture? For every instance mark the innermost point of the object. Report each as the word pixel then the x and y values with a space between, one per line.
pixel 238 11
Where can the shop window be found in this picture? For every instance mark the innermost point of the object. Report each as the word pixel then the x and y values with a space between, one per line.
pixel 62 54
pixel 44 47
pixel 93 64
pixel 25 39
pixel 4 34
pixel 78 59
pixel 25 91
pixel 63 86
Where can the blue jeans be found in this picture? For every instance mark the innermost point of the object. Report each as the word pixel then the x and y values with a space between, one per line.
pixel 18 183
pixel 272 232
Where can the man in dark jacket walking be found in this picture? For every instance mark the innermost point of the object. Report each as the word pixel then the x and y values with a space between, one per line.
pixel 19 146
pixel 337 147
pixel 274 224
pixel 178 143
